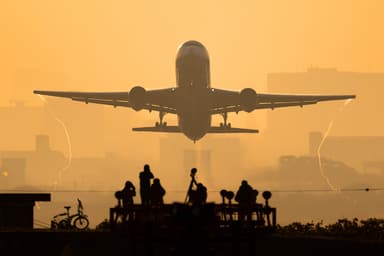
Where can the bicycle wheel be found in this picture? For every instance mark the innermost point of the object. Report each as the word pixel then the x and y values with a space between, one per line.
pixel 81 222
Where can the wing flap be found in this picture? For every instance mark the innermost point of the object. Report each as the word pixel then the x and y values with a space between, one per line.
pixel 87 95
pixel 261 106
pixel 156 99
pixel 283 104
pixel 115 103
pixel 264 98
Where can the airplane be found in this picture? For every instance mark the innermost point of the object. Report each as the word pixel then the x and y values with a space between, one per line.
pixel 193 99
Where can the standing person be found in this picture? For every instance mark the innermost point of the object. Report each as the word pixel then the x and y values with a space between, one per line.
pixel 245 194
pixel 145 184
pixel 245 197
pixel 156 192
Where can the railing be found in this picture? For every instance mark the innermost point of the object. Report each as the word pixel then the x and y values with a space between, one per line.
pixel 221 216
pixel 255 215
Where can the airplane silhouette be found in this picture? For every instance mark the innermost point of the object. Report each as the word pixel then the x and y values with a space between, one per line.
pixel 193 100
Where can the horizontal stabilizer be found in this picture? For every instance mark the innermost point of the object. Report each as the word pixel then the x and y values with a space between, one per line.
pixel 226 129
pixel 160 128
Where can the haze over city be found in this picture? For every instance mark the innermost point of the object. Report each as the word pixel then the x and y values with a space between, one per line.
pixel 320 47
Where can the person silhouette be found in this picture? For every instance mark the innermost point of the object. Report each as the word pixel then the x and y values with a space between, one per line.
pixel 156 192
pixel 200 195
pixel 245 196
pixel 127 194
pixel 125 201
pixel 145 183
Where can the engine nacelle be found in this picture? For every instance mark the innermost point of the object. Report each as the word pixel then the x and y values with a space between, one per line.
pixel 137 97
pixel 248 99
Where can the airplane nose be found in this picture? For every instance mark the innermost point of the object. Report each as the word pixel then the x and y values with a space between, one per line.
pixel 192 47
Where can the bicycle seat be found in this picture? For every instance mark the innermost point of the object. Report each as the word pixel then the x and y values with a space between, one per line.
pixel 67 207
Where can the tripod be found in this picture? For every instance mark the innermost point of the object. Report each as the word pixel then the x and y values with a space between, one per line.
pixel 193 182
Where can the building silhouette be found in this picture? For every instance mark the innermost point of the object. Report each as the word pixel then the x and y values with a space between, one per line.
pixel 287 129
pixel 43 167
pixel 364 153
pixel 83 124
pixel 17 209
pixel 25 167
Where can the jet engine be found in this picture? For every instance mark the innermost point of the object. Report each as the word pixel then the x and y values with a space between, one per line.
pixel 137 97
pixel 248 98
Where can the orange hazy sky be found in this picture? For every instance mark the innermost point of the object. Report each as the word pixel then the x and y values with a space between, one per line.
pixel 94 45
pixel 113 45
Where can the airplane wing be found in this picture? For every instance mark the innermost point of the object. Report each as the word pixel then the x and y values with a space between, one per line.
pixel 138 98
pixel 248 100
pixel 176 129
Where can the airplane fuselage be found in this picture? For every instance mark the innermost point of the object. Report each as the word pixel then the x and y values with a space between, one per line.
pixel 193 82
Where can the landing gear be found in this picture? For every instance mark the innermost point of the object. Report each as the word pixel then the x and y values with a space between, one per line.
pixel 225 124
pixel 161 117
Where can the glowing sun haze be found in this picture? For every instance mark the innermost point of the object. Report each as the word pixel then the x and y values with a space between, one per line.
pixel 115 45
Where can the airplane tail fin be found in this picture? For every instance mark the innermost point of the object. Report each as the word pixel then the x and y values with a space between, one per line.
pixel 223 129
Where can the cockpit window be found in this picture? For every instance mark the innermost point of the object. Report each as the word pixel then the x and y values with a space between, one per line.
pixel 194 43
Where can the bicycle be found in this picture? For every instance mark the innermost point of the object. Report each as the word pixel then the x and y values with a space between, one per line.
pixel 67 221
